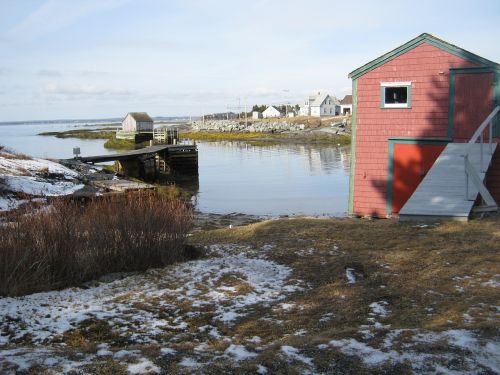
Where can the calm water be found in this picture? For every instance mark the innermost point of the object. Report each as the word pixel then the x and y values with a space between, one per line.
pixel 237 177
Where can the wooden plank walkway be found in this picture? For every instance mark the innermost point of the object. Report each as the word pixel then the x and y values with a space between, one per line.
pixel 441 194
pixel 140 152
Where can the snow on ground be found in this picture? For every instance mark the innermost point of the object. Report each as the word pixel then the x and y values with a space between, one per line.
pixel 142 308
pixel 40 186
pixel 239 353
pixel 10 203
pixel 294 353
pixel 350 275
pixel 464 346
pixel 10 165
pixel 37 177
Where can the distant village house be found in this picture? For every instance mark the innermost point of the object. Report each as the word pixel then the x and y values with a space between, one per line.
pixel 320 104
pixel 137 122
pixel 271 112
pixel 256 115
pixel 346 105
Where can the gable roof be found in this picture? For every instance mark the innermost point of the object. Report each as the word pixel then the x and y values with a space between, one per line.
pixel 273 107
pixel 347 100
pixel 422 38
pixel 318 99
pixel 140 116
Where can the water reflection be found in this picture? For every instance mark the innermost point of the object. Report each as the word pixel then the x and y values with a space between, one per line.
pixel 280 179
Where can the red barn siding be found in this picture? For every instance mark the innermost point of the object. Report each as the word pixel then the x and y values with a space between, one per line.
pixel 427 67
pixel 469 114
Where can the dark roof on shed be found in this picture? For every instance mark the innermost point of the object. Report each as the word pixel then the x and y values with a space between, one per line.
pixel 415 42
pixel 140 116
pixel 347 100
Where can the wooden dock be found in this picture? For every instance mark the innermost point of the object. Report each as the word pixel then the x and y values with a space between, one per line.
pixel 173 149
pixel 149 162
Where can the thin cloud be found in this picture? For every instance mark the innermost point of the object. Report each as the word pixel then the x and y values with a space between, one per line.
pixel 54 15
pixel 84 90
pixel 49 73
pixel 90 73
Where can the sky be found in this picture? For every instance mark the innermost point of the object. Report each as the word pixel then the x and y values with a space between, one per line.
pixel 83 59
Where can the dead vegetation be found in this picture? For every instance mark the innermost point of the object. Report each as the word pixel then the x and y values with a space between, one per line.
pixel 68 243
pixel 413 267
pixel 379 284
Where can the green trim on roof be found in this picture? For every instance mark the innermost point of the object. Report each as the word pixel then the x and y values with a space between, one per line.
pixel 423 38
pixel 350 206
pixel 390 166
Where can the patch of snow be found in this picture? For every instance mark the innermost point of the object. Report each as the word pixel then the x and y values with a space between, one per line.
pixel 168 351
pixel 262 370
pixel 8 203
pixel 294 353
pixel 126 354
pixel 189 362
pixel 479 355
pixel 239 353
pixel 20 167
pixel 305 252
pixel 378 308
pixel 287 306
pixel 300 332
pixel 350 275
pixel 104 350
pixel 255 340
pixel 46 316
pixel 39 186
pixel 369 355
pixel 326 317
pixel 142 367
pixel 494 283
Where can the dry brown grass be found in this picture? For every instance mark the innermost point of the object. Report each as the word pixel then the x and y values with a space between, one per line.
pixel 413 268
pixel 70 243
pixel 410 267
pixel 15 156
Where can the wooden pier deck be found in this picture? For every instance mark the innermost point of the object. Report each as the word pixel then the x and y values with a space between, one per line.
pixel 170 149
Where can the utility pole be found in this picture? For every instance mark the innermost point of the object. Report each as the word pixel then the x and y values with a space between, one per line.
pixel 246 121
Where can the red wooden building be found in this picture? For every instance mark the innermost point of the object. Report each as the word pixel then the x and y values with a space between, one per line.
pixel 414 110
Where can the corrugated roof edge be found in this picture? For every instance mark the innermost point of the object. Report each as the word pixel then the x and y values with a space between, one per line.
pixel 422 38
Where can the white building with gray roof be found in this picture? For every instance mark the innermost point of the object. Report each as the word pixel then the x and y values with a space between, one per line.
pixel 320 104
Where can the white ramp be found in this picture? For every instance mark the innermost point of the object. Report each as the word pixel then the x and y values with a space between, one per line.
pixel 441 194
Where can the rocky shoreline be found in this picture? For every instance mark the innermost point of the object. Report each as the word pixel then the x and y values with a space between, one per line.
pixel 256 127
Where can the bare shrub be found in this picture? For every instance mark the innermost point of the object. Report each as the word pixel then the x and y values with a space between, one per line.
pixel 70 243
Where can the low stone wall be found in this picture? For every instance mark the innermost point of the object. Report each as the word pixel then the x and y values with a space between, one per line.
pixel 256 127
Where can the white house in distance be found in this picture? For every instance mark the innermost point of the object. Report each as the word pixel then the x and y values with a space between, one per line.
pixel 271 112
pixel 137 122
pixel 320 104
pixel 346 105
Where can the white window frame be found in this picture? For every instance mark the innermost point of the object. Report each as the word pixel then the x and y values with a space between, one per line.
pixel 406 84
